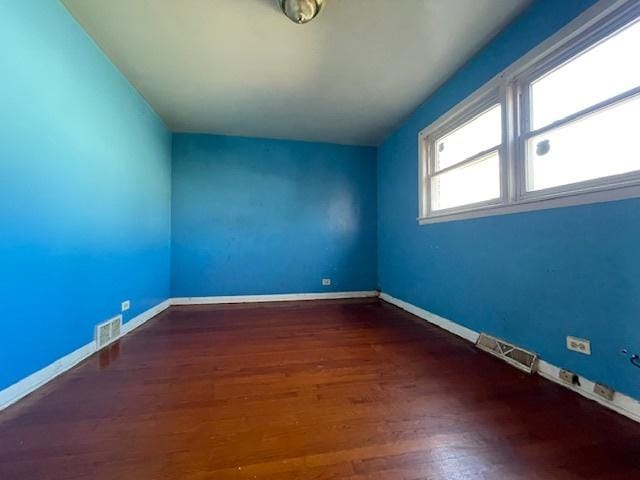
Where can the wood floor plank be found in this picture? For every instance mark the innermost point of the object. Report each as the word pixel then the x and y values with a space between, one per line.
pixel 345 390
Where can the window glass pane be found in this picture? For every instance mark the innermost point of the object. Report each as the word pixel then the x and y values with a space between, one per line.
pixel 478 135
pixel 607 70
pixel 601 144
pixel 474 182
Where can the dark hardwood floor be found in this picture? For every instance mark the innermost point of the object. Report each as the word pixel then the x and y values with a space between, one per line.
pixel 353 389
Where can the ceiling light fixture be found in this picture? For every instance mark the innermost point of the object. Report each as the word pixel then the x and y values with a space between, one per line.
pixel 301 11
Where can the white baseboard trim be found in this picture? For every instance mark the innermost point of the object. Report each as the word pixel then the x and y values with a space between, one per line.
pixel 448 325
pixel 27 385
pixel 289 297
pixel 144 317
pixel 24 387
pixel 622 404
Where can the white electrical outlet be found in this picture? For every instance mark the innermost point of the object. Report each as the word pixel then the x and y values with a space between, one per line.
pixel 126 305
pixel 579 345
pixel 326 281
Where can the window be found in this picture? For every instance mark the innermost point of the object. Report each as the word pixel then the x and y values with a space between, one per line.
pixel 583 114
pixel 560 127
pixel 598 145
pixel 466 162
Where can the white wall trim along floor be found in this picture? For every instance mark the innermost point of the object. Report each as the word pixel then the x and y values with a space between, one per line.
pixel 622 404
pixel 27 385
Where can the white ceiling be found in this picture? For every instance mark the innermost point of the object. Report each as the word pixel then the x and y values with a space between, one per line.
pixel 240 67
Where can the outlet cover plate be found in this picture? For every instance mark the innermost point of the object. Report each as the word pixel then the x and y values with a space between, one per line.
pixel 569 377
pixel 126 305
pixel 326 282
pixel 579 345
pixel 604 391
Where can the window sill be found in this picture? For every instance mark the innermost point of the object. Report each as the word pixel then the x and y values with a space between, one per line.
pixel 539 203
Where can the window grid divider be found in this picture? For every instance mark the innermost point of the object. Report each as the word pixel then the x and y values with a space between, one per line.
pixel 511 90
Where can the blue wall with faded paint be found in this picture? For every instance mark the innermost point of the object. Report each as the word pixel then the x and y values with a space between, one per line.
pixel 256 216
pixel 532 278
pixel 87 213
pixel 85 178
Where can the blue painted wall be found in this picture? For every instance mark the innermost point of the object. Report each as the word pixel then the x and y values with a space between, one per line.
pixel 85 178
pixel 532 278
pixel 86 213
pixel 255 216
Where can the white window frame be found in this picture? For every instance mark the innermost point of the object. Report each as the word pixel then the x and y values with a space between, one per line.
pixel 478 104
pixel 511 89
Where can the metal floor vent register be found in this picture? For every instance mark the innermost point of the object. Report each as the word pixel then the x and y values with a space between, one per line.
pixel 108 332
pixel 513 355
